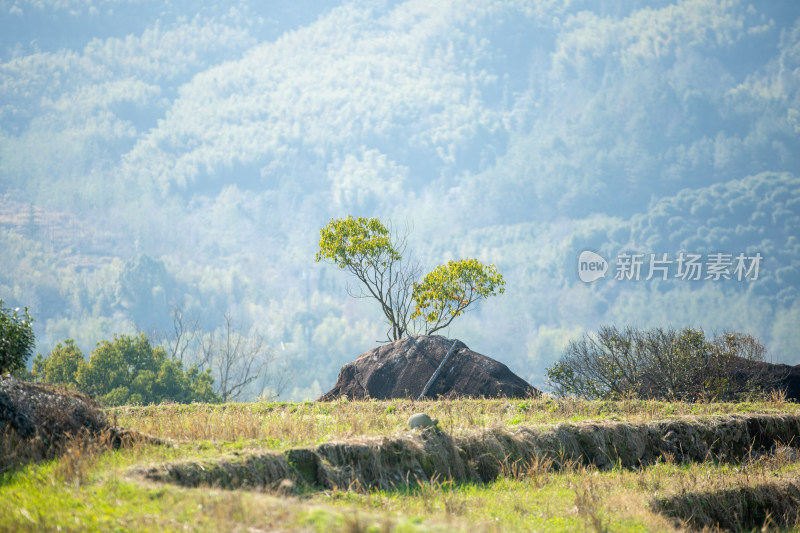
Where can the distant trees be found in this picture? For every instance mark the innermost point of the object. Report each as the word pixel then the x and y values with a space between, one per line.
pixel 660 363
pixel 365 248
pixel 16 339
pixel 125 370
pixel 143 290
pixel 61 366
pixel 239 360
pixel 184 365
pixel 236 359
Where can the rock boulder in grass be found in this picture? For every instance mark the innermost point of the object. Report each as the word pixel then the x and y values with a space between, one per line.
pixel 35 409
pixel 771 376
pixel 402 369
pixel 39 421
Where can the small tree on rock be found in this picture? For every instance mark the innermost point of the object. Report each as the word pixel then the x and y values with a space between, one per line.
pixel 364 247
pixel 445 293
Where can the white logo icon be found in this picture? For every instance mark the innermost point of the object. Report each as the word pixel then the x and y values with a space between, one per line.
pixel 591 266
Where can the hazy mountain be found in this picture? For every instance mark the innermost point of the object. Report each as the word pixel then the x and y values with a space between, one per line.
pixel 187 153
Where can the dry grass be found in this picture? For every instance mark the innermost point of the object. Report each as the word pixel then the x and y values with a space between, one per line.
pixel 580 497
pixel 284 425
pixel 503 488
pixel 407 459
pixel 750 495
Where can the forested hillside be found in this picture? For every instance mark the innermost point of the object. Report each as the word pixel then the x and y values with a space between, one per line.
pixel 185 155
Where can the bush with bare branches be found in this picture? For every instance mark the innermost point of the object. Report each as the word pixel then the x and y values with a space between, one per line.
pixel 661 363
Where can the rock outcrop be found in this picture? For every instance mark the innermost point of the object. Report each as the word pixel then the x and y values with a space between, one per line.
pixel 777 376
pixel 34 409
pixel 403 368
pixel 39 421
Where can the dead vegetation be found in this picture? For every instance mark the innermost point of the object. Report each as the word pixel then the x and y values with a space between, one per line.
pixel 756 497
pixel 697 492
pixel 287 425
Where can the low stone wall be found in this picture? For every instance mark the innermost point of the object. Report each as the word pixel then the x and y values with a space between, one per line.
pixel 481 456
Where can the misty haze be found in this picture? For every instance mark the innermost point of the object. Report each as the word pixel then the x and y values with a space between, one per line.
pixel 161 158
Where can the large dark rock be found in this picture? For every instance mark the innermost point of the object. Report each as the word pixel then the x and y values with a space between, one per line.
pixel 778 376
pixel 401 369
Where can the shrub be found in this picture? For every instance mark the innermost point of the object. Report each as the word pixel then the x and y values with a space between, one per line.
pixel 129 370
pixel 661 364
pixel 61 367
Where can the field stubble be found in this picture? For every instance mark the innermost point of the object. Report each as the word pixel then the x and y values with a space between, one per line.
pixel 284 425
pixel 90 487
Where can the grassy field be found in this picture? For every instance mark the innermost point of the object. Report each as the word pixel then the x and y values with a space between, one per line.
pixel 93 488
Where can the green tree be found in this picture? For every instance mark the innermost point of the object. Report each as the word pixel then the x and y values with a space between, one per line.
pixel 61 366
pixel 447 291
pixel 365 248
pixel 128 370
pixel 16 339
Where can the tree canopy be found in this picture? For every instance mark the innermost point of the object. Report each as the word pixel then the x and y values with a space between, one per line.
pixel 61 366
pixel 16 339
pixel 520 133
pixel 125 370
pixel 446 292
pixel 364 247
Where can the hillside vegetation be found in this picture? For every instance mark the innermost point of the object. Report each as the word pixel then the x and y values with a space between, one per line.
pixel 154 157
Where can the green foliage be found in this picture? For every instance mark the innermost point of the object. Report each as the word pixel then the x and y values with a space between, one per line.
pixel 365 248
pixel 61 367
pixel 357 244
pixel 16 339
pixel 447 291
pixel 127 370
pixel 601 152
pixel 661 364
